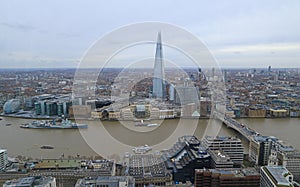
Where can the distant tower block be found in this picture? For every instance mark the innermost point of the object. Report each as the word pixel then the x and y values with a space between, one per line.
pixel 159 88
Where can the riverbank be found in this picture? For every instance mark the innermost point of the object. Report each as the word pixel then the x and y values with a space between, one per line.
pixel 110 136
pixel 31 115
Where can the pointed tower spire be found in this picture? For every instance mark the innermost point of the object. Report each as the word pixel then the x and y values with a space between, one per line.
pixel 158 77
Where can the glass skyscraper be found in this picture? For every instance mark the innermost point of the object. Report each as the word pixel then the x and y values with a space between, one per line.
pixel 159 89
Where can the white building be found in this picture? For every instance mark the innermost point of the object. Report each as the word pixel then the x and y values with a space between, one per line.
pixel 232 146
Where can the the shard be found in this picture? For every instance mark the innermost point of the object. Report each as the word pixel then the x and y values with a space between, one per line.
pixel 158 76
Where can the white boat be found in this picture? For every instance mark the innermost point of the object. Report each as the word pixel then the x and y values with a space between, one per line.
pixel 152 125
pixel 146 124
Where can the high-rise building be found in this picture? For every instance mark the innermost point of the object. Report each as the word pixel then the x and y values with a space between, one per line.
pixel 260 149
pixel 171 92
pixel 159 87
pixel 273 176
pixel 232 146
pixel 3 159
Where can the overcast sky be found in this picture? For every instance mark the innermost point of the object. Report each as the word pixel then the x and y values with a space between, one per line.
pixel 53 34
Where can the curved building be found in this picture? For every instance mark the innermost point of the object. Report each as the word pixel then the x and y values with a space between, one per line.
pixel 11 106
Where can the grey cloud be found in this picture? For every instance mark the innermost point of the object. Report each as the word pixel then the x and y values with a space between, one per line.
pixel 18 26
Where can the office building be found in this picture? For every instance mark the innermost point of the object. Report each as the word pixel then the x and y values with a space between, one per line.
pixel 227 177
pixel 51 108
pixel 159 87
pixel 220 160
pixel 140 111
pixel 186 94
pixel 256 112
pixel 232 146
pixel 291 161
pixel 147 169
pixel 126 114
pixel 184 157
pixel 3 159
pixel 171 92
pixel 260 149
pixel 154 113
pixel 38 181
pixel 167 114
pixel 106 181
pixel 275 176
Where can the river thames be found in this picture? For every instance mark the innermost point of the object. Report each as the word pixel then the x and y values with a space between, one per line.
pixel 112 139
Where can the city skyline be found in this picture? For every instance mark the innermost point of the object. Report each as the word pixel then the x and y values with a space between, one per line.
pixel 259 127
pixel 238 34
pixel 171 93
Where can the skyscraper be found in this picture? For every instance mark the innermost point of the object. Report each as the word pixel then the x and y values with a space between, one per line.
pixel 158 77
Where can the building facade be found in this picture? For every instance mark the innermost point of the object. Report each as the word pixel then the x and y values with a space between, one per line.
pixel 220 160
pixel 260 149
pixel 147 170
pixel 184 157
pixel 232 146
pixel 227 177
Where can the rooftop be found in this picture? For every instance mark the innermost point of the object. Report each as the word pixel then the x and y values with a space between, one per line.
pixel 92 181
pixel 278 174
pixel 140 108
pixel 233 172
pixel 221 138
pixel 30 181
pixel 57 163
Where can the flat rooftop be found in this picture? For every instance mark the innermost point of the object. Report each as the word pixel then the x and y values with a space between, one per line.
pixel 278 174
pixel 57 163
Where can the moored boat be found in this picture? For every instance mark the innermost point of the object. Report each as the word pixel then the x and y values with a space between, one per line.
pixel 47 147
pixel 142 124
pixel 54 124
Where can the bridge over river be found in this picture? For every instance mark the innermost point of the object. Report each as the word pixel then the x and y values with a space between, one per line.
pixel 241 128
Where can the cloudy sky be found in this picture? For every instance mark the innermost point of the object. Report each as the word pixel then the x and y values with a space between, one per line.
pixel 53 34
